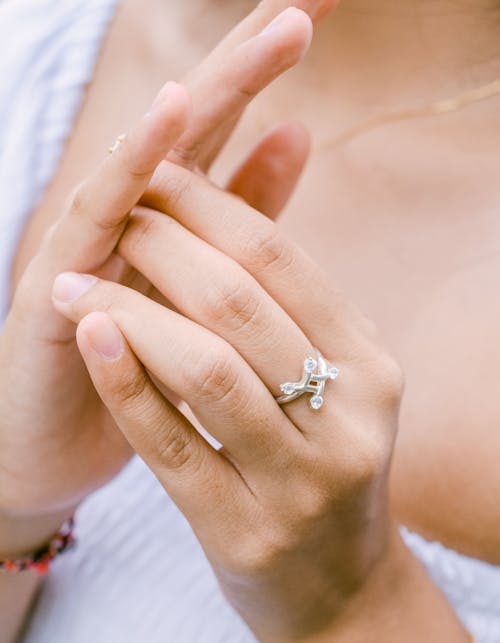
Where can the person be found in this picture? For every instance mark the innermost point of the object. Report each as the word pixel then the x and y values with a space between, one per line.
pixel 296 516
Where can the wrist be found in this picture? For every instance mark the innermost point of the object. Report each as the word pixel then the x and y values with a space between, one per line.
pixel 397 602
pixel 22 535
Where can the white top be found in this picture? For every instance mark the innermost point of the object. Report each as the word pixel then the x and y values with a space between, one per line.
pixel 137 575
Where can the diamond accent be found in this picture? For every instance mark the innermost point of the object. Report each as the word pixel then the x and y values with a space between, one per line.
pixel 310 365
pixel 316 402
pixel 288 388
pixel 334 372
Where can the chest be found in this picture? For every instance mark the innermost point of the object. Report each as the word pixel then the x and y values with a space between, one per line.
pixel 409 228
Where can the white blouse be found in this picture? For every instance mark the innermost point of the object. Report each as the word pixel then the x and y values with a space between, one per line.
pixel 138 574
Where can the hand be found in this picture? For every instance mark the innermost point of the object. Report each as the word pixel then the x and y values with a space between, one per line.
pixel 292 512
pixel 227 81
pixel 57 441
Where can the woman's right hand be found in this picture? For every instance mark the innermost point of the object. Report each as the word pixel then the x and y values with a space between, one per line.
pixel 58 443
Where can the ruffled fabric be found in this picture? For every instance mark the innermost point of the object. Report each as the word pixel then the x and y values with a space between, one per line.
pixel 138 572
pixel 471 586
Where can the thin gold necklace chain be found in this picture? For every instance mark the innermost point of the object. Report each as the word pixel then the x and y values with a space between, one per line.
pixel 434 109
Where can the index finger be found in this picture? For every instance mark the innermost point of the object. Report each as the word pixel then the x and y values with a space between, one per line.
pixel 259 18
pixel 222 88
pixel 84 237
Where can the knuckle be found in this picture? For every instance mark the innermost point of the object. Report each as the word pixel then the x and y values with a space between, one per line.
pixel 311 488
pixel 232 302
pixel 247 91
pixel 132 166
pixel 130 391
pixel 384 378
pixel 138 235
pixel 187 153
pixel 171 185
pixel 214 378
pixel 80 206
pixel 77 201
pixel 174 448
pixel 269 249
pixel 313 504
pixel 368 461
pixel 262 550
pixel 390 378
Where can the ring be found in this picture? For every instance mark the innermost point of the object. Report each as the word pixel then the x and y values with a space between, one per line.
pixel 317 371
pixel 119 140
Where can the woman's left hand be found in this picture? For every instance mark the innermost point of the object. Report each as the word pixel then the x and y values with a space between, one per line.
pixel 293 511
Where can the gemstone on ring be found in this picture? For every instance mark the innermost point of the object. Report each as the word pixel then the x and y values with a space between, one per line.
pixel 334 372
pixel 316 402
pixel 310 365
pixel 315 375
pixel 288 388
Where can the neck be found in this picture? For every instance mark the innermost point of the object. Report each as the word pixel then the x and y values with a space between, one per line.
pixel 392 52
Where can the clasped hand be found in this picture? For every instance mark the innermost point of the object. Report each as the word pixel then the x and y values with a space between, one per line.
pixel 292 512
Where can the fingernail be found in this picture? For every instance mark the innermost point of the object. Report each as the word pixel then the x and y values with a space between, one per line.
pixel 106 339
pixel 70 286
pixel 273 24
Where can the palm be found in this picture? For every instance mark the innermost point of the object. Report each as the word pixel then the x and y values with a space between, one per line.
pixel 67 436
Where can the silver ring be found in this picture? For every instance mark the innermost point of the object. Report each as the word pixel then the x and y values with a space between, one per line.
pixel 317 372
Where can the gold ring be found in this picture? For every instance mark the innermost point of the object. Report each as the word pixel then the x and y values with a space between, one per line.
pixel 117 144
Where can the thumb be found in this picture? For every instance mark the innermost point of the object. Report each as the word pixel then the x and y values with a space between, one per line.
pixel 268 176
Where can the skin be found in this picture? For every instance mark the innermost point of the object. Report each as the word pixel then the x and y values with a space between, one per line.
pixel 448 527
pixel 290 496
pixel 31 509
pixel 80 239
pixel 419 297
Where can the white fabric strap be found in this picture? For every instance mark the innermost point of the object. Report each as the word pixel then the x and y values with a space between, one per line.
pixel 48 52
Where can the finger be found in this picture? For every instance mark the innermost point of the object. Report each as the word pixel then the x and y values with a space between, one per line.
pixel 195 476
pixel 224 393
pixel 220 121
pixel 84 237
pixel 99 207
pixel 257 20
pixel 222 89
pixel 269 175
pixel 201 82
pixel 287 273
pixel 216 292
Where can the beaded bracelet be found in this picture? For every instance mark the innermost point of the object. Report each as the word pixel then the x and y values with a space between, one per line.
pixel 40 560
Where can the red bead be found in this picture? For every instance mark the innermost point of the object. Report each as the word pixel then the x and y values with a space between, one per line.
pixel 41 559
